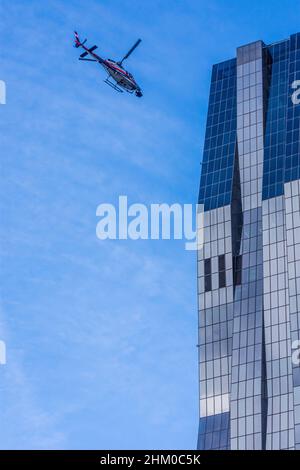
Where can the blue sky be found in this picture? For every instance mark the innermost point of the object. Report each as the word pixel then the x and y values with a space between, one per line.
pixel 101 336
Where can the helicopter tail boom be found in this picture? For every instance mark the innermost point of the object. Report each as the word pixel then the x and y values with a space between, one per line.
pixel 77 42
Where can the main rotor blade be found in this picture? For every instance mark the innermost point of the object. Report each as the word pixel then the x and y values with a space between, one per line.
pixel 131 50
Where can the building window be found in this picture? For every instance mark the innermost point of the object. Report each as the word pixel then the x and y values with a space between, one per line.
pixel 237 270
pixel 207 274
pixel 222 272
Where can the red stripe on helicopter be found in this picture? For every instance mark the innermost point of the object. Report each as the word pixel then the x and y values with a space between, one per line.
pixel 113 66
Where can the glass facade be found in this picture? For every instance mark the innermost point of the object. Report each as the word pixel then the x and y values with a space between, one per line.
pixel 220 137
pixel 249 267
pixel 274 155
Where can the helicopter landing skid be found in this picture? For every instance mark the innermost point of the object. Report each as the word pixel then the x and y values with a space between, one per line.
pixel 115 87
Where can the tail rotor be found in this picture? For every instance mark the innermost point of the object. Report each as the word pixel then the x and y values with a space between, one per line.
pixel 77 42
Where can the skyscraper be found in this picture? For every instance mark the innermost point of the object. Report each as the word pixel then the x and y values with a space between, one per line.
pixel 249 267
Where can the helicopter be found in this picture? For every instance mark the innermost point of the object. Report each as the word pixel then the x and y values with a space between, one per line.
pixel 124 80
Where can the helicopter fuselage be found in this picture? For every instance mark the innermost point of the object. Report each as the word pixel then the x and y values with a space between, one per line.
pixel 121 76
pixel 115 70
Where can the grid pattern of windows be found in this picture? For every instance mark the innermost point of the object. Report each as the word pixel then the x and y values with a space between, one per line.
pixel 220 138
pixel 250 128
pixel 292 163
pixel 292 204
pixel 280 428
pixel 214 432
pixel 215 329
pixel 274 155
pixel 249 268
pixel 282 139
pixel 246 381
pixel 247 349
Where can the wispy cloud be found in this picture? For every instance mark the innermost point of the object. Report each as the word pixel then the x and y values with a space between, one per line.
pixel 25 423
